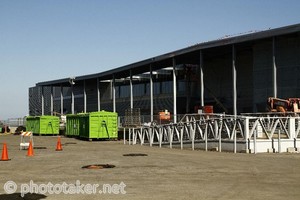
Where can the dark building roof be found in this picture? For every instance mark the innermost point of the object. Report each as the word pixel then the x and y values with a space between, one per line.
pixel 167 58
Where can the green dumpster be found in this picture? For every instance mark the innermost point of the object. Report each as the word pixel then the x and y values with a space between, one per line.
pixel 43 125
pixel 75 124
pixel 99 125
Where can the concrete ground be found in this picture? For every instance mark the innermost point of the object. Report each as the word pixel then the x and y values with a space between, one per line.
pixel 163 174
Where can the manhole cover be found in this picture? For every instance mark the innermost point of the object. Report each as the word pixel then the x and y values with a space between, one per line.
pixel 98 166
pixel 135 154
pixel 40 147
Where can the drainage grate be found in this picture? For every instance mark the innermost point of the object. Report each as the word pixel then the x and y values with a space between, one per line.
pixel 98 166
pixel 135 154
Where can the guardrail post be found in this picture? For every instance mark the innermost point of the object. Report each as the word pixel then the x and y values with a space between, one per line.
pixel 292 127
pixel 246 134
pixel 124 135
pixel 279 142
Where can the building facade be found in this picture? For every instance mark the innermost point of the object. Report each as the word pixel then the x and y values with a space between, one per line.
pixel 233 74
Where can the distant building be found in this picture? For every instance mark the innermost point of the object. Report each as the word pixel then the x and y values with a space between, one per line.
pixel 234 74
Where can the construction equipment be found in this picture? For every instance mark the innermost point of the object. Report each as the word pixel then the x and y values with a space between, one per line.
pixel 283 105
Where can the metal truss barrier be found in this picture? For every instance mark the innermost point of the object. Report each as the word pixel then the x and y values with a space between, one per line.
pixel 249 133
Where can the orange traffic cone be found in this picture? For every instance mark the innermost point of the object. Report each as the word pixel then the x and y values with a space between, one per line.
pixel 30 150
pixel 58 145
pixel 4 153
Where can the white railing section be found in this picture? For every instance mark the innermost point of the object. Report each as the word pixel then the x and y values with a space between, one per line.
pixel 218 128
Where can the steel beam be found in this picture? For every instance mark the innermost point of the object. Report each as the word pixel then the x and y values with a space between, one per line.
pixel 98 94
pixel 174 91
pixel 72 99
pixel 131 90
pixel 51 101
pixel 61 100
pixel 201 79
pixel 151 93
pixel 43 108
pixel 114 93
pixel 234 80
pixel 274 68
pixel 84 96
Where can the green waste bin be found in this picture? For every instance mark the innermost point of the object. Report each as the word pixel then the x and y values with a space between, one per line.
pixel 43 125
pixel 99 125
pixel 74 124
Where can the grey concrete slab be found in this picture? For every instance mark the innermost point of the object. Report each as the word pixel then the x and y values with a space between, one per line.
pixel 163 174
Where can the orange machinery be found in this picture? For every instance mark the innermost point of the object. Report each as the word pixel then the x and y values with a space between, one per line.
pixel 283 105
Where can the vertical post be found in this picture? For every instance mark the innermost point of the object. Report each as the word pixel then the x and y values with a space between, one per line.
pixel 84 96
pixel 114 93
pixel 51 101
pixel 246 133
pixel 255 136
pixel 171 136
pixel 193 135
pixel 133 136
pixel 181 138
pixel 174 91
pixel 131 90
pixel 124 135
pixel 160 136
pixel 201 79
pixel 151 93
pixel 206 136
pixel 234 132
pixel 292 127
pixel 151 135
pixel 129 136
pixel 220 135
pixel 72 99
pixel 234 80
pixel 279 141
pixel 98 94
pixel 61 100
pixel 43 108
pixel 274 69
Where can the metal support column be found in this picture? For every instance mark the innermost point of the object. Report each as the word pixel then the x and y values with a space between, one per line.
pixel 84 96
pixel 114 93
pixel 151 93
pixel 51 100
pixel 43 106
pixel 131 90
pixel 72 99
pixel 234 80
pixel 61 100
pixel 98 94
pixel 174 92
pixel 274 68
pixel 201 79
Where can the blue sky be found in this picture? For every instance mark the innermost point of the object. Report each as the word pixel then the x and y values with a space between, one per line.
pixel 43 40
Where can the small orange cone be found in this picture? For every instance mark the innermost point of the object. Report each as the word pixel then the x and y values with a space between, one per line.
pixel 30 150
pixel 58 145
pixel 4 153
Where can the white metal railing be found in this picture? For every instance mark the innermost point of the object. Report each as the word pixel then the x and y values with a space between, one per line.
pixel 218 127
